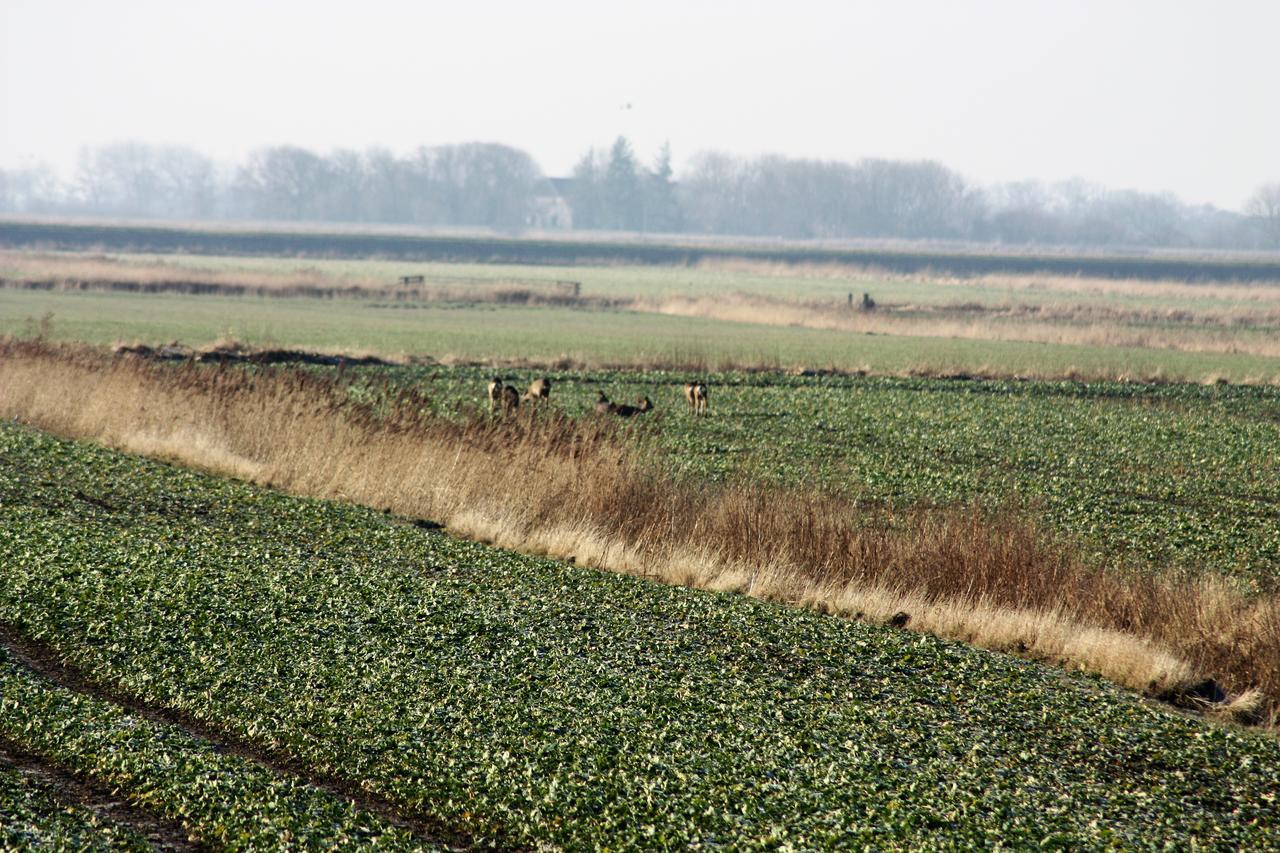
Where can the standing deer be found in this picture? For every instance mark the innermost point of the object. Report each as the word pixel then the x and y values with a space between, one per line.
pixel 510 399
pixel 495 393
pixel 502 396
pixel 539 391
pixel 603 406
pixel 696 394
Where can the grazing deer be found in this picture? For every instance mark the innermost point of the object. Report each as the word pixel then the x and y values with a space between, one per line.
pixel 510 399
pixel 539 390
pixel 623 410
pixel 696 394
pixel 603 406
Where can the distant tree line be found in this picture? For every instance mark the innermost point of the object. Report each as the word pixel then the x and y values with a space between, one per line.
pixel 496 186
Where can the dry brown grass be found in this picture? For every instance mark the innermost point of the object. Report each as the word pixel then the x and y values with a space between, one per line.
pixel 1154 314
pixel 100 273
pixel 62 269
pixel 1167 289
pixel 575 489
pixel 1077 324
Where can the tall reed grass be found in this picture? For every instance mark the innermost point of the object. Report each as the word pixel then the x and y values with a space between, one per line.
pixel 578 489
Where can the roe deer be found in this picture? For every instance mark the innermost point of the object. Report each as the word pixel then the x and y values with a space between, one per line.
pixel 495 393
pixel 623 410
pixel 696 394
pixel 603 406
pixel 510 399
pixel 539 390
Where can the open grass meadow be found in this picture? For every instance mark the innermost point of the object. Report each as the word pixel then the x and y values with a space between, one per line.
pixel 553 334
pixel 720 312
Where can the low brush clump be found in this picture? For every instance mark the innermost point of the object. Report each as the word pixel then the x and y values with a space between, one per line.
pixel 577 489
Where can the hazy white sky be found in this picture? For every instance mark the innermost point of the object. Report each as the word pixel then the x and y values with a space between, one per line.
pixel 1183 96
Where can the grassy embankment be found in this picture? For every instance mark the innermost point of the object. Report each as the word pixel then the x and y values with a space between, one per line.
pixel 572 489
pixel 520 701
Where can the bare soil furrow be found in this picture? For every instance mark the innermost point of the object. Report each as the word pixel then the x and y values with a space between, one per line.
pixel 71 789
pixel 45 660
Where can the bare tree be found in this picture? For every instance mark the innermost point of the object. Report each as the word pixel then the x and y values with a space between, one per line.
pixel 397 190
pixel 913 199
pixel 481 183
pixel 188 182
pixel 284 182
pixel 781 196
pixel 587 196
pixel 120 178
pixel 713 193
pixel 1264 208
pixel 136 179
pixel 29 190
pixel 346 192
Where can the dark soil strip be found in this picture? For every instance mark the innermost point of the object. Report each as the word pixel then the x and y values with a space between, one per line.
pixel 537 293
pixel 332 241
pixel 174 352
pixel 69 789
pixel 46 661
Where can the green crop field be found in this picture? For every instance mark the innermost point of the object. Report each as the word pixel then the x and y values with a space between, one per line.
pixel 518 701
pixel 1156 476
pixel 255 671
pixel 221 799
